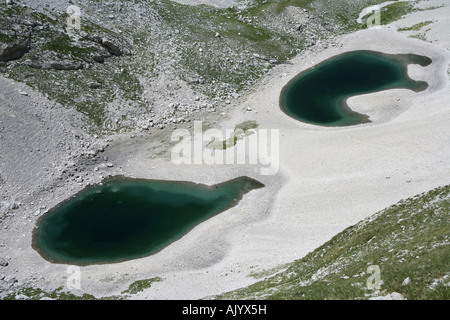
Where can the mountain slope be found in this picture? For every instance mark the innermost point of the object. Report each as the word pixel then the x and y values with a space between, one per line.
pixel 409 240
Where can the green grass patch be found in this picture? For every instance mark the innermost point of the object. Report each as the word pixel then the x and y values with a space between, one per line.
pixel 141 285
pixel 420 36
pixel 62 44
pixel 241 131
pixel 4 38
pixel 30 293
pixel 395 11
pixel 416 27
pixel 390 13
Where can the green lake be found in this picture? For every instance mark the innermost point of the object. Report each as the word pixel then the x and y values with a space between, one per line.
pixel 319 94
pixel 123 219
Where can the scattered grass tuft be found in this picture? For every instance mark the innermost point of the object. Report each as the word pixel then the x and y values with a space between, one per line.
pixel 31 293
pixel 416 27
pixel 141 285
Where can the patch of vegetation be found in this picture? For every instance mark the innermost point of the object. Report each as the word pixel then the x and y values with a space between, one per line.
pixel 30 293
pixel 391 13
pixel 62 44
pixel 10 11
pixel 408 240
pixel 141 285
pixel 395 11
pixel 33 293
pixel 4 38
pixel 246 126
pixel 270 272
pixel 420 36
pixel 416 27
pixel 431 8
pixel 43 18
pixel 240 132
pixel 346 13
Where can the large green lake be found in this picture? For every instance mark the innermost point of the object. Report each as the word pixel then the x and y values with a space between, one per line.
pixel 318 95
pixel 125 219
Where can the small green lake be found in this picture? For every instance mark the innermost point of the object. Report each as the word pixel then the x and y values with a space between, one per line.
pixel 318 95
pixel 124 219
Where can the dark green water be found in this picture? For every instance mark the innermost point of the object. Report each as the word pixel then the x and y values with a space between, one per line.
pixel 318 95
pixel 125 219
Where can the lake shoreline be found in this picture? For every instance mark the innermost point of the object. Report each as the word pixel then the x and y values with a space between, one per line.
pixel 334 111
pixel 44 242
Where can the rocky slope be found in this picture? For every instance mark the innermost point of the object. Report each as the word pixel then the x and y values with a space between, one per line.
pixel 143 64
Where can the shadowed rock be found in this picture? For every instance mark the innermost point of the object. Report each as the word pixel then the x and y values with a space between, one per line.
pixel 14 50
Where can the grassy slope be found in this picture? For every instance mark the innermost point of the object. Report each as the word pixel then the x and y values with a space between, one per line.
pixel 410 239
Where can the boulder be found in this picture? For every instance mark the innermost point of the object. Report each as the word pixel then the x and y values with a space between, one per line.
pixel 3 262
pixel 65 65
pixel 406 282
pixel 111 47
pixel 14 50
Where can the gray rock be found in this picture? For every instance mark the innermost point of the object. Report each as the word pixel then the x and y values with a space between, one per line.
pixel 102 166
pixel 15 50
pixel 406 282
pixel 436 283
pixel 100 58
pixel 95 85
pixel 64 65
pixel 79 179
pixel 111 47
pixel 301 26
pixel 3 262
